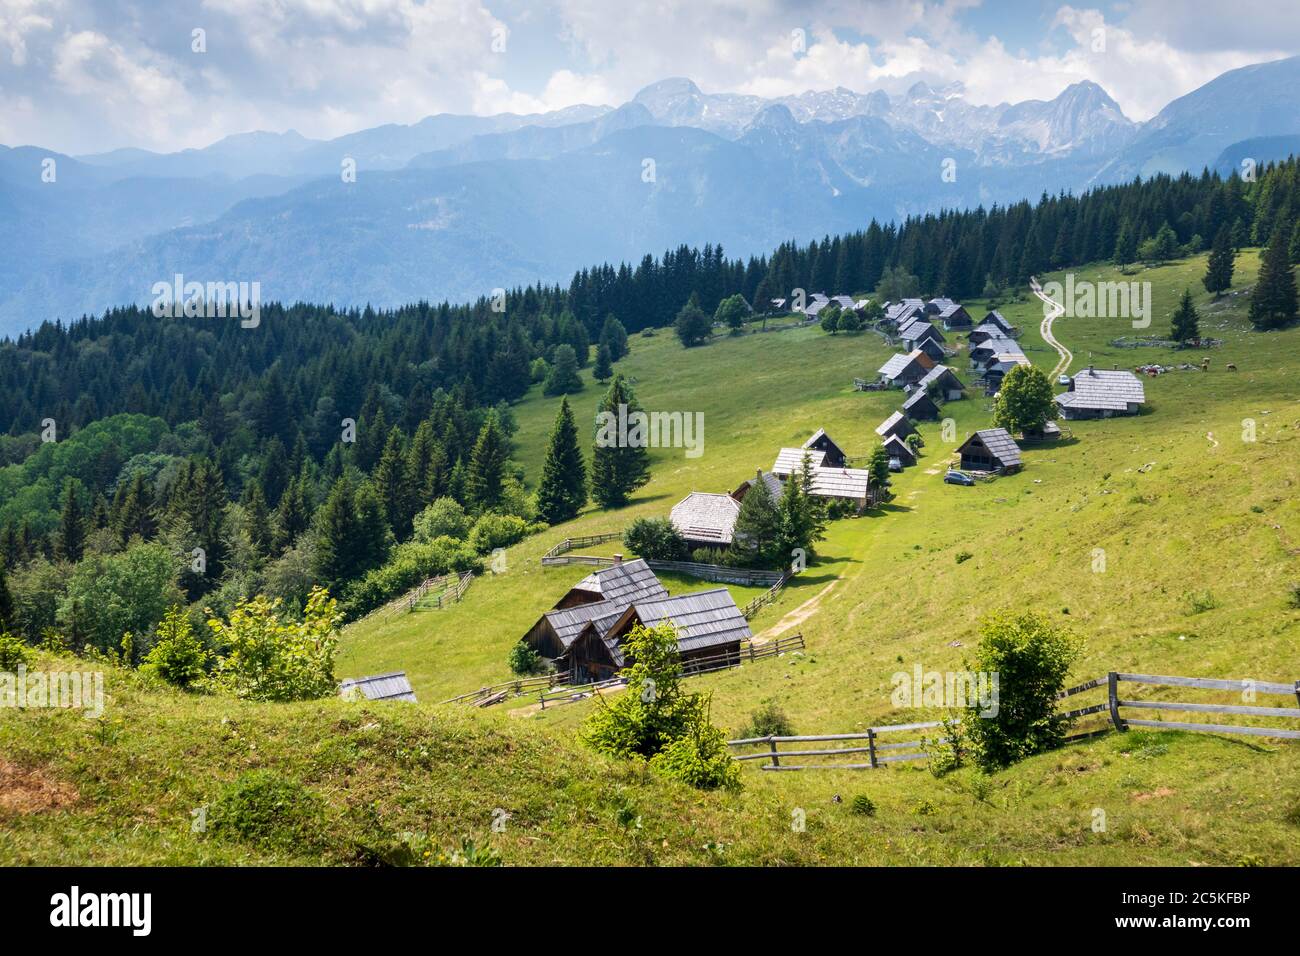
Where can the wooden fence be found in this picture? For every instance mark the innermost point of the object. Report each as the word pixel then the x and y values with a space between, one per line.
pixel 747 577
pixel 559 554
pixel 451 586
pixel 519 686
pixel 1111 707
pixel 878 754
pixel 766 598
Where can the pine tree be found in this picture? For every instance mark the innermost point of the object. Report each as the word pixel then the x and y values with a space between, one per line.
pixel 1185 325
pixel 257 520
pixel 563 378
pixel 1219 267
pixel 802 522
pixel 6 602
pixel 613 335
pixel 392 484
pixel 602 370
pixel 617 467
pixel 1125 244
pixel 1273 303
pixel 563 489
pixel 352 536
pixel 70 537
pixel 878 466
pixel 758 527
pixel 487 465
pixel 293 516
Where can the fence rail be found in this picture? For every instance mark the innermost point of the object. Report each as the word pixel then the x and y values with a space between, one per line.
pixel 914 749
pixel 766 598
pixel 748 577
pixel 557 554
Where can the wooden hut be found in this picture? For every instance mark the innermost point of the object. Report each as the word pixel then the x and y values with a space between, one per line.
pixel 906 369
pixel 920 407
pixel 896 424
pixel 706 520
pixel 990 449
pixel 394 686
pixel 895 447
pixel 1096 393
pixel 833 455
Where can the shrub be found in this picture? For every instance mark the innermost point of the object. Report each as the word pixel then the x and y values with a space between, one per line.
pixel 1198 602
pixel 655 539
pixel 13 652
pixel 708 555
pixel 1031 657
pixel 1293 596
pixel 409 564
pixel 492 531
pixel 177 655
pixel 964 556
pixel 768 721
pixel 445 517
pixel 700 759
pixel 268 810
pixel 863 806
pixel 524 660
pixel 268 658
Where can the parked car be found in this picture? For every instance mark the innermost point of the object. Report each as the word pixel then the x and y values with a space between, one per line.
pixel 958 478
pixel 1062 380
pixel 895 464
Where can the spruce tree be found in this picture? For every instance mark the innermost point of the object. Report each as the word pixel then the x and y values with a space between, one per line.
pixel 602 370
pixel 563 379
pixel 618 467
pixel 878 466
pixel 1219 267
pixel 392 483
pixel 563 490
pixel 292 517
pixel 1185 325
pixel 1273 303
pixel 70 536
pixel 758 527
pixel 487 466
pixel 257 519
pixel 613 335
pixel 1125 244
pixel 6 602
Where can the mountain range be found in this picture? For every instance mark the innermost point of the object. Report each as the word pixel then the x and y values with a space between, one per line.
pixel 454 206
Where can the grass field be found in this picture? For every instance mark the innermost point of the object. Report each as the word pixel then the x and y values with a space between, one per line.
pixel 1200 531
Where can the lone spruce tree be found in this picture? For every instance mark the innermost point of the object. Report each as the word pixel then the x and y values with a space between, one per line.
pixel 758 527
pixel 620 461
pixel 1186 323
pixel 1273 303
pixel 563 490
pixel 487 466
pixel 1218 270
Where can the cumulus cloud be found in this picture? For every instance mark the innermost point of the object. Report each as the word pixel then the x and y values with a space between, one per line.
pixel 88 75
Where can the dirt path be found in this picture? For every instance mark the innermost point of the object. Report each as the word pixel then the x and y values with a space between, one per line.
pixel 797 616
pixel 1045 329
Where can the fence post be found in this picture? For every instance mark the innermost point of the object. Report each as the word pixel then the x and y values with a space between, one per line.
pixel 1112 695
pixel 771 743
pixel 751 651
pixel 871 747
pixel 1297 692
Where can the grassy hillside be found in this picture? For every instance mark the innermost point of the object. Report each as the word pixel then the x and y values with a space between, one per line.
pixel 1188 514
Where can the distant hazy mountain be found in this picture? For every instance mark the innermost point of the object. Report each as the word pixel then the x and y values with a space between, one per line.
pixel 453 206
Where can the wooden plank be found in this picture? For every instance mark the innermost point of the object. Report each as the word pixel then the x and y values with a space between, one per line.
pixel 1213 708
pixel 1112 699
pixel 1079 689
pixel 1218 728
pixel 1085 711
pixel 1206 683
pixel 899 757
pixel 829 766
pixel 803 753
pixel 871 747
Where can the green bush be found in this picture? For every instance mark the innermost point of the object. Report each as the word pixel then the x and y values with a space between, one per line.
pixel 655 539
pixel 700 759
pixel 524 660
pixel 964 556
pixel 177 655
pixel 768 721
pixel 270 659
pixel 445 517
pixel 270 811
pixel 1198 602
pixel 1031 657
pixel 492 531
pixel 13 652
pixel 863 806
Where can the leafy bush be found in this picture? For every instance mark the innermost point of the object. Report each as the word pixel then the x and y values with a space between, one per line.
pixel 109 595
pixel 1198 602
pixel 964 556
pixel 13 652
pixel 493 531
pixel 268 658
pixel 768 721
pixel 409 564
pixel 268 810
pixel 177 655
pixel 655 539
pixel 653 719
pixel 863 806
pixel 445 517
pixel 1031 657
pixel 524 660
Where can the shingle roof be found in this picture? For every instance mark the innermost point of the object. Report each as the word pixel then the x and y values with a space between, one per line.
pixel 569 622
pixel 392 686
pixel 624 582
pixel 898 364
pixel 999 443
pixel 845 302
pixel 897 310
pixel 701 516
pixel 703 619
pixel 997 318
pixel 1102 389
pixel 893 422
pixel 918 397
pixel 840 483
pixel 775 487
pixel 921 328
pixel 895 447
pixel 936 373
pixel 790 460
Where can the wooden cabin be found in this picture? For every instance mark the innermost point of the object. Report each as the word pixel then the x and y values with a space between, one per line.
pixel 942 382
pixel 920 407
pixel 833 455
pixel 896 424
pixel 990 449
pixel 706 520
pixel 895 447
pixel 1098 393
pixel 598 598
pixel 906 369
pixel 775 488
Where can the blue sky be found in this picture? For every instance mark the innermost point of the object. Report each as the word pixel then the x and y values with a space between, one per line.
pixel 91 75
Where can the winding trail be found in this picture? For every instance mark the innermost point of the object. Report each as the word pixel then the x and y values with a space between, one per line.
pixel 1045 329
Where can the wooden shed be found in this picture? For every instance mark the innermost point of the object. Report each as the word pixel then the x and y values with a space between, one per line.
pixel 394 686
pixel 990 449
pixel 920 407
pixel 895 447
pixel 896 424
pixel 906 369
pixel 833 454
pixel 942 382
pixel 705 519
